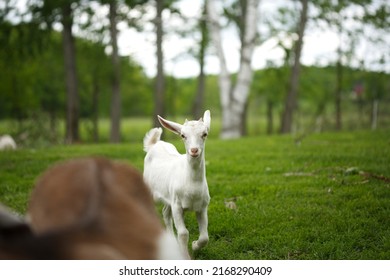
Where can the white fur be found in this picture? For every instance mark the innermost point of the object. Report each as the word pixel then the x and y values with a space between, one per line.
pixel 7 142
pixel 168 248
pixel 179 180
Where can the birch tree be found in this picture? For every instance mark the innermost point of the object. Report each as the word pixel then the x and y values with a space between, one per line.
pixel 234 96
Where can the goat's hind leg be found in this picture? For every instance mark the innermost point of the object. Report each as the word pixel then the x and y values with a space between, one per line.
pixel 167 215
pixel 203 233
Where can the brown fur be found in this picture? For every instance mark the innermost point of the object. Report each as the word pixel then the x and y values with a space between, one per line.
pixel 91 208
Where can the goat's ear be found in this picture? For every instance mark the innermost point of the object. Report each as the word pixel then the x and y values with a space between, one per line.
pixel 207 119
pixel 172 126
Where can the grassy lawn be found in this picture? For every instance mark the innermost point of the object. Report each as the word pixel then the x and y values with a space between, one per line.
pixel 327 197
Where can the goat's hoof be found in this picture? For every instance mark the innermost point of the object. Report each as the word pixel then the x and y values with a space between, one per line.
pixel 196 245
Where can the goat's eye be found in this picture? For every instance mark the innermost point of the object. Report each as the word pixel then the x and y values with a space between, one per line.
pixel 204 135
pixel 183 136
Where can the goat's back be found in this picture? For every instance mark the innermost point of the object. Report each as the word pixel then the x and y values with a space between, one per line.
pixel 97 203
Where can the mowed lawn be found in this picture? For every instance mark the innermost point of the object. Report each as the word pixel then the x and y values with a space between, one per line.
pixel 325 197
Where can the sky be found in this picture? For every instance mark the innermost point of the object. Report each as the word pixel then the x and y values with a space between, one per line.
pixel 319 48
pixel 320 44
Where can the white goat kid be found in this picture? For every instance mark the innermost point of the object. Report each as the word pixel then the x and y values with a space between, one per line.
pixel 179 181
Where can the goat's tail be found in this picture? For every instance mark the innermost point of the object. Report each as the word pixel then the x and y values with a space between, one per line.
pixel 151 138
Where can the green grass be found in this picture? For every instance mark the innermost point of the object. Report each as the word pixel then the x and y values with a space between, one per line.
pixel 327 197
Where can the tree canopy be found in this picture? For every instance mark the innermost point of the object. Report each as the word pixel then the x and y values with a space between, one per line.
pixel 33 72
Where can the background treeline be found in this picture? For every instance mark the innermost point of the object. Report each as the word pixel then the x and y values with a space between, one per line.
pixel 32 81
pixel 32 76
pixel 37 91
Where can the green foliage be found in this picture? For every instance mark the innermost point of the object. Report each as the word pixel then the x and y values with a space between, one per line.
pixel 316 95
pixel 270 83
pixel 35 82
pixel 32 74
pixel 137 89
pixel 17 68
pixel 379 17
pixel 323 197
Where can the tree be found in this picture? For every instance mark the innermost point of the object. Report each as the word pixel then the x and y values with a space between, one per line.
pixel 234 98
pixel 95 83
pixel 292 94
pixel 281 28
pixel 48 12
pixel 160 80
pixel 197 107
pixel 270 85
pixel 20 45
pixel 73 102
pixel 378 19
pixel 336 15
pixel 118 11
pixel 195 27
pixel 115 97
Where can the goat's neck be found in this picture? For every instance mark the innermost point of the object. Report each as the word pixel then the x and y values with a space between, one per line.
pixel 196 167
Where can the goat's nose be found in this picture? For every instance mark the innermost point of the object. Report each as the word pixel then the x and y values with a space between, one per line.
pixel 194 150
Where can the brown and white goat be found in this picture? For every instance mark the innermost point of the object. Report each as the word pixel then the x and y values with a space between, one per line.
pixel 89 208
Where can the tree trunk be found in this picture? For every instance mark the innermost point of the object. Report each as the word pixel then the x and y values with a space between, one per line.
pixel 374 114
pixel 159 83
pixel 339 70
pixel 53 125
pixel 270 117
pixel 72 95
pixel 339 81
pixel 199 97
pixel 234 100
pixel 95 109
pixel 197 108
pixel 224 77
pixel 292 94
pixel 115 97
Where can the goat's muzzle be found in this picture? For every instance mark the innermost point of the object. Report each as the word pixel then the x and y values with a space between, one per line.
pixel 194 152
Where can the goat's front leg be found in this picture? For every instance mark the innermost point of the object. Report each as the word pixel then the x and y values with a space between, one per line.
pixel 203 234
pixel 182 232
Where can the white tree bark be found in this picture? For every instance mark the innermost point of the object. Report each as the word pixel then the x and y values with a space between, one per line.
pixel 215 32
pixel 234 100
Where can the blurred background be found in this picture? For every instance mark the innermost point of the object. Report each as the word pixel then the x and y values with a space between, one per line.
pixel 76 71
